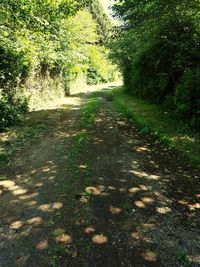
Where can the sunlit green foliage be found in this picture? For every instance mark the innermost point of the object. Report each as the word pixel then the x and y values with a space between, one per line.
pixel 158 47
pixel 103 22
pixel 10 113
pixel 55 41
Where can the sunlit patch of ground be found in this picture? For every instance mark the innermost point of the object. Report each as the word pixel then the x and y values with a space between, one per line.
pixel 61 103
pixel 100 239
pixel 105 198
pixel 95 88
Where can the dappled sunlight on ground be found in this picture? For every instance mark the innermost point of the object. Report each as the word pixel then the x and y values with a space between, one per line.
pixel 99 239
pixel 146 175
pixel 41 245
pixel 30 200
pixel 89 230
pixel 50 207
pixel 115 210
pixel 64 238
pixel 116 199
pixel 65 102
pixel 149 256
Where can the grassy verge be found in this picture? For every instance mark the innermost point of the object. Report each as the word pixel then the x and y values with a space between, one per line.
pixel 33 127
pixel 154 120
pixel 88 115
pixel 16 138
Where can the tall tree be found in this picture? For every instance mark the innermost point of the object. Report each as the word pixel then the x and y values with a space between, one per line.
pixel 158 46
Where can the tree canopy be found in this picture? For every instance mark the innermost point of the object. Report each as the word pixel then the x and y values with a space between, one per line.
pixel 59 39
pixel 158 48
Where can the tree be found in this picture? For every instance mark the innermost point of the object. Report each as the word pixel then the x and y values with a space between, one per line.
pixel 158 45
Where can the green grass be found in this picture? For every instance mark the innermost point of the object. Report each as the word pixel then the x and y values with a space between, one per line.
pixel 154 120
pixel 73 156
pixel 15 139
pixel 89 112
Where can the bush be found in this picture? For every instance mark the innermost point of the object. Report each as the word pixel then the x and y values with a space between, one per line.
pixel 158 49
pixel 13 65
pixel 187 97
pixel 22 104
pixel 100 69
pixel 93 77
pixel 10 113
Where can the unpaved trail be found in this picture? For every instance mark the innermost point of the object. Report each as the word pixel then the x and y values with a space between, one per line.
pixel 97 195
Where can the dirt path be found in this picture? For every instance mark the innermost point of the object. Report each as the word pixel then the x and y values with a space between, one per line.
pixel 97 194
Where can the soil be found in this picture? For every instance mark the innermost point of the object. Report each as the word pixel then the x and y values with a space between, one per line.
pixel 122 199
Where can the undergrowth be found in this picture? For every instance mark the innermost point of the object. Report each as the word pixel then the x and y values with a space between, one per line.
pixel 11 111
pixel 155 120
pixel 14 140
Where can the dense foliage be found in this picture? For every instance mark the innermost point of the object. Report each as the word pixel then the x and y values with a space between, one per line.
pixel 51 40
pixel 103 22
pixel 158 46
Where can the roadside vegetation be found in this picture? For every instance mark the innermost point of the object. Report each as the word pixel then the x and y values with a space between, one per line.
pixel 157 45
pixel 102 175
pixel 31 128
pixel 159 122
pixel 45 47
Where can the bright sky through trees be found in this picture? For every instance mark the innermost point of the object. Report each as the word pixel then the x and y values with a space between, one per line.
pixel 106 4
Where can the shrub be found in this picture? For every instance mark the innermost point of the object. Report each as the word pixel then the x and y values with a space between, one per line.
pixel 100 69
pixel 157 46
pixel 13 65
pixel 187 97
pixel 10 112
pixel 93 76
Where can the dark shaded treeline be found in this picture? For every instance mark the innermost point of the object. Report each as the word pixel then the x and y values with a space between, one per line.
pixel 158 48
